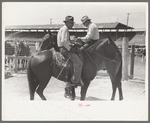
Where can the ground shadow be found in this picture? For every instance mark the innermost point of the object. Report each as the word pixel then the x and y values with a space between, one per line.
pixel 137 80
pixel 90 98
pixel 8 75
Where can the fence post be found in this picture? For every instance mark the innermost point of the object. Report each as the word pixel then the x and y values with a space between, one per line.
pixel 125 58
pixel 132 61
pixel 16 61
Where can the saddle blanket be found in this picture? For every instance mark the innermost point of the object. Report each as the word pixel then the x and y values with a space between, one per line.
pixel 58 58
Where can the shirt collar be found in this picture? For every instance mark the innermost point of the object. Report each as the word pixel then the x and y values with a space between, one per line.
pixel 89 24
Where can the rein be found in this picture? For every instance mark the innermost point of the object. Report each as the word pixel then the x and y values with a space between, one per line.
pixel 110 60
pixel 91 58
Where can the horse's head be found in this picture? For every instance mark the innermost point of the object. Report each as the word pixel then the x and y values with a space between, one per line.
pixel 22 48
pixel 49 41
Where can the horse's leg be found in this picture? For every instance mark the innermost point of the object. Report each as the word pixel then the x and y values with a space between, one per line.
pixel 41 88
pixel 119 84
pixel 120 93
pixel 70 93
pixel 73 93
pixel 84 90
pixel 113 81
pixel 116 83
pixel 33 81
pixel 114 90
pixel 114 86
pixel 33 91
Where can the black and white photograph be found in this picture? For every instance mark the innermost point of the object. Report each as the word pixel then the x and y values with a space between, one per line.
pixel 75 61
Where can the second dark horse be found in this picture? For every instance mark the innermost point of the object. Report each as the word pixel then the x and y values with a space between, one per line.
pixel 105 56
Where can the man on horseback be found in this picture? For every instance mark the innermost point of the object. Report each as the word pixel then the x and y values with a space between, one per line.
pixel 64 45
pixel 92 35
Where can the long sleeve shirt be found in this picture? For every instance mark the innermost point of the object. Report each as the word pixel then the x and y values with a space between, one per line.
pixel 92 33
pixel 63 38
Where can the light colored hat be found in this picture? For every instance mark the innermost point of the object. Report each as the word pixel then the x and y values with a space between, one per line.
pixel 69 19
pixel 85 18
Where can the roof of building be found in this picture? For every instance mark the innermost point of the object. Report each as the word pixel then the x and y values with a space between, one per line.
pixel 115 25
pixel 136 40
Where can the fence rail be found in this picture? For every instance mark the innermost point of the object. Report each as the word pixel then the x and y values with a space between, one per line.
pixel 16 62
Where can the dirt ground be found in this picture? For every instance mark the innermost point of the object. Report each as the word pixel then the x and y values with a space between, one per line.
pixel 16 87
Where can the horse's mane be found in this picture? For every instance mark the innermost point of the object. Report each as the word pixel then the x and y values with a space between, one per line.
pixel 107 42
pixel 113 44
pixel 102 43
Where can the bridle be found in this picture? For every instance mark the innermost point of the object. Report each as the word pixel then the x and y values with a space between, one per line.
pixel 110 60
pixel 115 59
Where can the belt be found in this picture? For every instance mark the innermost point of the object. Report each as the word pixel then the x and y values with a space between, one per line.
pixel 62 48
pixel 94 39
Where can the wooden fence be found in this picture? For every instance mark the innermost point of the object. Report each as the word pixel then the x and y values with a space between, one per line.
pixel 16 62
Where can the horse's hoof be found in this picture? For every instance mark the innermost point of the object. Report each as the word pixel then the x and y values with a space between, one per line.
pixel 121 99
pixel 78 84
pixel 72 99
pixel 69 97
pixel 112 99
pixel 66 96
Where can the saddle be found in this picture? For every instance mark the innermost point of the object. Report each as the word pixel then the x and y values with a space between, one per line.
pixel 63 63
pixel 92 45
pixel 58 58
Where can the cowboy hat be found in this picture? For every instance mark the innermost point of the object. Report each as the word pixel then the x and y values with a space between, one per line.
pixel 85 18
pixel 69 19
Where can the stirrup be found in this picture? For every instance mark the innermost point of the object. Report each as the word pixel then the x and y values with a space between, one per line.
pixel 69 84
pixel 80 83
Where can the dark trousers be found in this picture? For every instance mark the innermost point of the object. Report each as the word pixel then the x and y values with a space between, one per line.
pixel 77 64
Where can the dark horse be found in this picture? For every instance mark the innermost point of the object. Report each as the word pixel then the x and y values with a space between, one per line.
pixel 105 56
pixel 23 49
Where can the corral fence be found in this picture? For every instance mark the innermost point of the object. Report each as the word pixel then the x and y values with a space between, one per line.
pixel 15 62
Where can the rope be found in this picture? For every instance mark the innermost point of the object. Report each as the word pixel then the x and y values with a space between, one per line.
pixel 63 67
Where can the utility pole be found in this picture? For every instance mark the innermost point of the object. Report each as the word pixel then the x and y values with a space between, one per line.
pixel 127 18
pixel 125 53
pixel 50 21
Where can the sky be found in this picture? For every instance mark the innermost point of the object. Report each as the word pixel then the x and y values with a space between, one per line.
pixel 25 13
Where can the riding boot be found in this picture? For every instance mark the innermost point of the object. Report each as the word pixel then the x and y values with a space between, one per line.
pixel 68 91
pixel 80 83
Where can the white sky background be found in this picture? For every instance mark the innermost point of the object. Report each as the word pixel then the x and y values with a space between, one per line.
pixel 25 13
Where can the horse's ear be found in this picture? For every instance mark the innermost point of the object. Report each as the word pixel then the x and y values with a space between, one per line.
pixel 110 39
pixel 46 37
pixel 49 32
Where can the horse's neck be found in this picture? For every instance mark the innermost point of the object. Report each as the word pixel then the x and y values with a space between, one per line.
pixel 56 45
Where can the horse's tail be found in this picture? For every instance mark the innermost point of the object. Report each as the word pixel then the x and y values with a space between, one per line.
pixel 31 79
